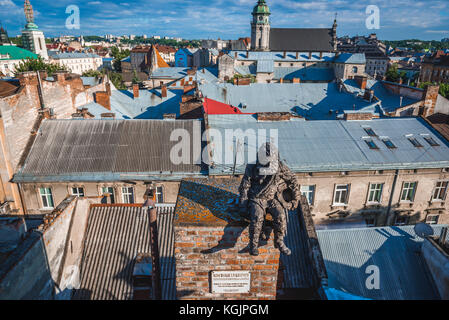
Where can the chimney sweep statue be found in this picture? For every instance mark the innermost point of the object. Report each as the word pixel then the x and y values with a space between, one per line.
pixel 268 186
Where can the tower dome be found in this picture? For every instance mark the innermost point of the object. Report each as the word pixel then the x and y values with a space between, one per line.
pixel 261 8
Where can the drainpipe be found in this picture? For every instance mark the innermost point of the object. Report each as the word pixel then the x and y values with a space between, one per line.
pixel 387 218
pixel 39 90
pixel 152 214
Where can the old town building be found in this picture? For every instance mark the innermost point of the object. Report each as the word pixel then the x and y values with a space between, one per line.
pixel 435 68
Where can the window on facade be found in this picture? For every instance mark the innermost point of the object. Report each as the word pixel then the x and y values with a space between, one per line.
pixel 309 193
pixel 355 69
pixel 47 198
pixel 408 191
pixel 432 219
pixel 341 194
pixel 439 193
pixel 110 191
pixel 375 192
pixel 78 192
pixel 430 140
pixel 370 222
pixel 159 194
pixel 401 220
pixel 128 195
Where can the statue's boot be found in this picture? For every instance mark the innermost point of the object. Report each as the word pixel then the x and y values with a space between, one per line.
pixel 283 248
pixel 253 249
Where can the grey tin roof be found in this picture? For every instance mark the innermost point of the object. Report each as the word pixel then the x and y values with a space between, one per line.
pixel 301 40
pixel 394 250
pixel 114 237
pixel 105 150
pixel 315 146
pixel 354 58
pixel 310 100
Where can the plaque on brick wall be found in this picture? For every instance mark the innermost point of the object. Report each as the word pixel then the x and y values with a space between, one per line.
pixel 231 281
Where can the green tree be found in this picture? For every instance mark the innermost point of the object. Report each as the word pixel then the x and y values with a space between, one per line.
pixel 444 90
pixel 392 74
pixel 118 56
pixel 38 64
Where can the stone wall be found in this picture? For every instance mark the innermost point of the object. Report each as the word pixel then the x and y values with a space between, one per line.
pixel 20 116
pixel 34 267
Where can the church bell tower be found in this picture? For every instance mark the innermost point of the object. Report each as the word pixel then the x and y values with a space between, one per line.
pixel 260 27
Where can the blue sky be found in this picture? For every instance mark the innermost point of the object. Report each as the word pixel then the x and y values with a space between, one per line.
pixel 230 19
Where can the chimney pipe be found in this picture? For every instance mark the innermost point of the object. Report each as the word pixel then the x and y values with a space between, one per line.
pixel 135 90
pixel 236 55
pixel 164 91
pixel 247 54
pixel 321 55
pixel 310 55
pixel 297 55
pixel 285 54
pixel 150 204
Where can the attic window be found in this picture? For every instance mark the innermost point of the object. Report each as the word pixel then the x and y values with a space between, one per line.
pixel 371 144
pixel 370 132
pixel 415 142
pixel 430 140
pixel 388 142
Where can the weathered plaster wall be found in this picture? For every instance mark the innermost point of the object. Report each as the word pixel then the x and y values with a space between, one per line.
pixel 33 269
pixel 438 262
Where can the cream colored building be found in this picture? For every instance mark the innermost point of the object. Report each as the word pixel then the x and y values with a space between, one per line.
pixel 78 62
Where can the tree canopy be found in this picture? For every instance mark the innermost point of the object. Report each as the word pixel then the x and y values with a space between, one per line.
pixel 38 64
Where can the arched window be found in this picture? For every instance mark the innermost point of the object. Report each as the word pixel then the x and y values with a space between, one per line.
pixel 355 69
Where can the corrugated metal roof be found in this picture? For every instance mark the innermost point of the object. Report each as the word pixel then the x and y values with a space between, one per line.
pixel 169 73
pixel 316 146
pixel 311 100
pixel 114 237
pixel 394 250
pixel 86 150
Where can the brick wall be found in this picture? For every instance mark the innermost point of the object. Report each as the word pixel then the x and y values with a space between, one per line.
pixel 201 250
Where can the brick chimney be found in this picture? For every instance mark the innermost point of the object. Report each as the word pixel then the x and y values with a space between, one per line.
pixel 28 78
pixel 321 55
pixel 135 91
pixel 236 55
pixel 60 76
pixel 310 55
pixel 273 116
pixel 297 54
pixel 103 99
pixel 108 88
pixel 209 250
pixel 164 91
pixel 296 80
pixel 285 54
pixel 430 97
pixel 247 54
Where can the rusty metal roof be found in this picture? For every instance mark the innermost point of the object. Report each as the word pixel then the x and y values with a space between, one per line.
pixel 114 237
pixel 106 150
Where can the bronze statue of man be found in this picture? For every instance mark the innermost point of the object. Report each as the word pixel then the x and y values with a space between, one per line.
pixel 268 186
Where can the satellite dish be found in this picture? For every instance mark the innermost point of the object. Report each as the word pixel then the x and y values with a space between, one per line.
pixel 423 230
